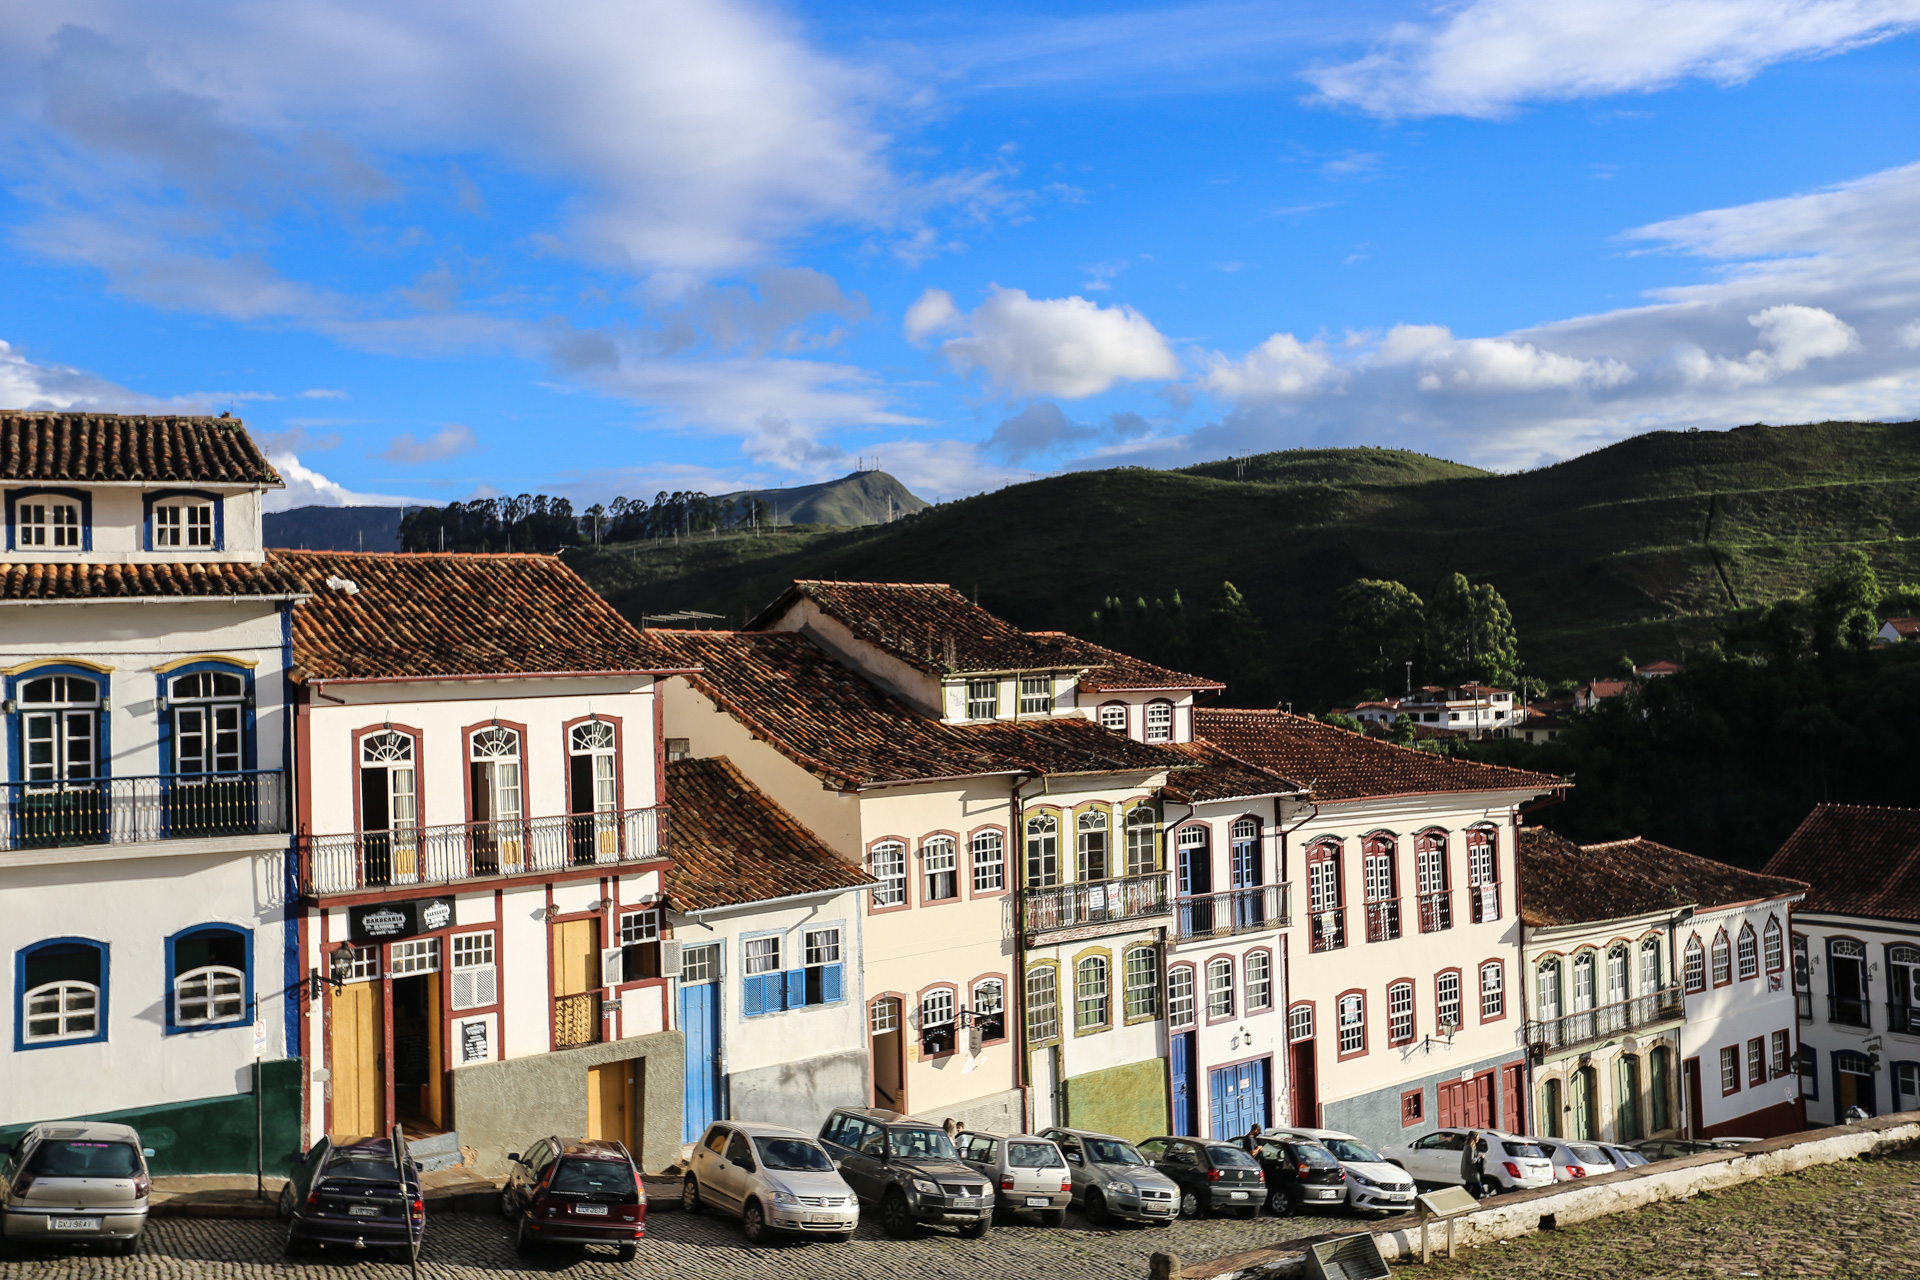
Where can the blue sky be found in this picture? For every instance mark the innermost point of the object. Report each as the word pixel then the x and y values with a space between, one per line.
pixel 433 251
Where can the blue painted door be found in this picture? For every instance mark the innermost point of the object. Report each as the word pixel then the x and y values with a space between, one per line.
pixel 1182 1063
pixel 1239 1096
pixel 700 1024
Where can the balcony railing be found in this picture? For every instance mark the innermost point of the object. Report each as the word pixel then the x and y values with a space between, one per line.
pixel 1096 902
pixel 1383 920
pixel 576 1020
pixel 1903 1019
pixel 1850 1011
pixel 1436 911
pixel 477 850
pixel 49 815
pixel 1327 930
pixel 1221 915
pixel 1590 1026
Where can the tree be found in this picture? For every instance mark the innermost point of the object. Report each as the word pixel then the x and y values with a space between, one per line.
pixel 1152 629
pixel 1844 602
pixel 1339 721
pixel 1470 634
pixel 1377 628
pixel 1232 647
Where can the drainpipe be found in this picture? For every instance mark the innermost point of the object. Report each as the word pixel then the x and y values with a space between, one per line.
pixel 1017 877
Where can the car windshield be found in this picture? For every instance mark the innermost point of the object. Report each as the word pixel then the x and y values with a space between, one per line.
pixel 1033 1155
pixel 1231 1158
pixel 362 1166
pixel 1524 1150
pixel 1357 1152
pixel 792 1155
pixel 1317 1156
pixel 1633 1157
pixel 919 1144
pixel 587 1177
pixel 1587 1155
pixel 1111 1151
pixel 85 1160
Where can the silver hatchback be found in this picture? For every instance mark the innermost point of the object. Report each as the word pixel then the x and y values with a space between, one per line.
pixel 1111 1179
pixel 1029 1171
pixel 773 1178
pixel 75 1183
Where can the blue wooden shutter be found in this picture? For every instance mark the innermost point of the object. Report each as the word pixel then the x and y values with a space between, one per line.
pixel 753 995
pixel 830 991
pixel 796 988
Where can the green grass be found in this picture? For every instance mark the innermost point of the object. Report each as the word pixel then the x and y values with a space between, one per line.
pixel 1638 548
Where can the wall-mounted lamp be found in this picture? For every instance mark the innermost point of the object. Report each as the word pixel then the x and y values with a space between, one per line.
pixel 339 966
pixel 163 703
pixel 601 904
pixel 10 706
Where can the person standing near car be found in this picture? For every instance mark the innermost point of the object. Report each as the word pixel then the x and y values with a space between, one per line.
pixel 1473 1166
pixel 1253 1139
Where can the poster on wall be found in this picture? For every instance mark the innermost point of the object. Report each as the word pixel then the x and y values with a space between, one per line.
pixel 473 1041
pixel 385 921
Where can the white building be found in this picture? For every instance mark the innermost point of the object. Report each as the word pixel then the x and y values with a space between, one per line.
pixel 1856 958
pixel 1476 710
pixel 144 807
pixel 481 857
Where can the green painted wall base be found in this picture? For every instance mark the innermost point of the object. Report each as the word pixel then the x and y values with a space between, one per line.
pixel 1128 1101
pixel 212 1135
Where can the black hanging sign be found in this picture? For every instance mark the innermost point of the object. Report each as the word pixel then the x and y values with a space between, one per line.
pixel 385 921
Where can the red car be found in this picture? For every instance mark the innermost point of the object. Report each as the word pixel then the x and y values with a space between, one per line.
pixel 575 1191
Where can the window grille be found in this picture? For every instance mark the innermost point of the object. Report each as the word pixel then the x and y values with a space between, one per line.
pixel 1220 989
pixel 1143 982
pixel 989 862
pixel 1036 695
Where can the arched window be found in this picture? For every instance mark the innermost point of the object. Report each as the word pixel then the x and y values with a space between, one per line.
pixel 936 1022
pixel 1159 722
pixel 1143 840
pixel 1091 849
pixel 1776 953
pixel 1903 989
pixel 1446 999
pixel 1722 960
pixel 1043 851
pixel 1383 888
pixel 1043 1004
pixel 1400 1013
pixel 62 992
pixel 593 792
pixel 940 869
pixel 1327 924
pixel 1650 963
pixel 1749 953
pixel 989 863
pixel 1583 981
pixel 1847 983
pixel 1299 1023
pixel 1483 873
pixel 60 728
pixel 1113 715
pixel 389 815
pixel 1619 983
pixel 1092 1006
pixel 1430 865
pixel 1353 1023
pixel 990 1007
pixel 1493 993
pixel 1547 983
pixel 889 867
pixel 494 755
pixel 208 977
pixel 1180 1002
pixel 1219 989
pixel 1245 853
pixel 1259 981
pixel 1142 974
pixel 1695 965
pixel 209 722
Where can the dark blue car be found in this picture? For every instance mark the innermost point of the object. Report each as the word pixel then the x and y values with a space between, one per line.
pixel 349 1192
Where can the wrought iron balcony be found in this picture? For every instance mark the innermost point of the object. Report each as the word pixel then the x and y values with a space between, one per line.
pixel 185 806
pixel 1850 1011
pixel 1115 901
pixel 1383 920
pixel 1221 915
pixel 1591 1026
pixel 468 851
pixel 1436 911
pixel 1327 930
pixel 1903 1019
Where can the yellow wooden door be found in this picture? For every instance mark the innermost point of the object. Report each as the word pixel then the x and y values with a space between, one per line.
pixel 436 1101
pixel 354 1057
pixel 608 1086
pixel 576 956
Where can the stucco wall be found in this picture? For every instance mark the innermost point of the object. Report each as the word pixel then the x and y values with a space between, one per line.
pixel 1739 1012
pixel 1001 1112
pixel 1375 1117
pixel 500 1107
pixel 801 1092
pixel 1130 1100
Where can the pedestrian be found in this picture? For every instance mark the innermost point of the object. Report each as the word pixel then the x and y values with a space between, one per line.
pixel 959 1131
pixel 947 1125
pixel 1252 1141
pixel 1472 1165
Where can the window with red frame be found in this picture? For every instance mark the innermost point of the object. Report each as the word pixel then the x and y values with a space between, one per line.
pixel 1327 923
pixel 1430 867
pixel 1483 874
pixel 1383 890
pixel 1400 1013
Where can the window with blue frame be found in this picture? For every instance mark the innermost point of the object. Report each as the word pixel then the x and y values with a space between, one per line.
pixel 208 981
pixel 767 986
pixel 49 520
pixel 60 993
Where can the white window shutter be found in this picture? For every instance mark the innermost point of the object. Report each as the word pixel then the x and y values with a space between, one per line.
pixel 610 967
pixel 484 992
pixel 463 989
pixel 669 959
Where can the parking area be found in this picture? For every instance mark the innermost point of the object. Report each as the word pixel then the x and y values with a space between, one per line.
pixel 686 1248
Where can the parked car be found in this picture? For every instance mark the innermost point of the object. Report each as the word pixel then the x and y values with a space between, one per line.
pixel 1373 1185
pixel 1513 1162
pixel 1111 1179
pixel 350 1192
pixel 1301 1174
pixel 575 1191
pixel 1212 1176
pixel 75 1183
pixel 1668 1148
pixel 1623 1157
pixel 1028 1171
pixel 1575 1159
pixel 909 1169
pixel 774 1178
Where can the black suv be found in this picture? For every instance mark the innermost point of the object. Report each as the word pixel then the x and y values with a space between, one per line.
pixel 910 1169
pixel 1301 1175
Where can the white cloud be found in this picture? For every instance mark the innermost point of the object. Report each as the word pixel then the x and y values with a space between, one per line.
pixel 25 384
pixel 1791 336
pixel 450 441
pixel 933 312
pixel 1447 363
pixel 1483 57
pixel 1068 347
pixel 1909 335
pixel 1279 368
pixel 308 488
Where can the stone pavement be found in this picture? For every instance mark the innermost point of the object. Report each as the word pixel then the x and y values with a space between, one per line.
pixel 1857 1218
pixel 463 1246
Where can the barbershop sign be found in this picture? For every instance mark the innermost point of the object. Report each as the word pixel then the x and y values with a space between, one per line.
pixel 384 921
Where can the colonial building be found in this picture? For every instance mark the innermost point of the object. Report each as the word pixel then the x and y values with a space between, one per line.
pixel 1400 1005
pixel 144 806
pixel 1656 995
pixel 769 924
pixel 1856 958
pixel 482 855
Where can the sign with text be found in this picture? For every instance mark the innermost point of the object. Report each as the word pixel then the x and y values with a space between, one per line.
pixel 473 1041
pixel 385 921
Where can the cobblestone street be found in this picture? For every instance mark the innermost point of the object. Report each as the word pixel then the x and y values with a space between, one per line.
pixel 681 1247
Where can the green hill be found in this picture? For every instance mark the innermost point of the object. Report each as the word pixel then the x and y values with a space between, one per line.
pixel 864 497
pixel 1638 548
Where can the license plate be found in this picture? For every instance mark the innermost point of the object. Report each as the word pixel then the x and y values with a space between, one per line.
pixel 1239 1195
pixel 76 1224
pixel 591 1210
pixel 822 1217
pixel 363 1210
pixel 1038 1202
pixel 1324 1195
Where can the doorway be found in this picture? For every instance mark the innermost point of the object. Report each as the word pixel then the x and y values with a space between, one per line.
pixel 1513 1098
pixel 1305 1088
pixel 1690 1071
pixel 1195 881
pixel 1239 1096
pixel 576 982
pixel 1852 1084
pixel 613 1101
pixel 1626 1101
pixel 356 1057
pixel 419 1083
pixel 1180 1062
pixel 700 1025
pixel 889 1064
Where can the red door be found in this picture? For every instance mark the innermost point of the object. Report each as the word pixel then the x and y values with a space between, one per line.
pixel 1482 1094
pixel 1452 1104
pixel 1691 1068
pixel 1512 1092
pixel 1306 1094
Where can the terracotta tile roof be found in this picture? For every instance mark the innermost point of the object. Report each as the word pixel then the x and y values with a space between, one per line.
pixel 1565 883
pixel 96 447
pixel 926 624
pixel 732 844
pixel 1338 764
pixel 1859 860
pixel 68 581
pixel 1109 670
pixel 836 725
pixel 1908 628
pixel 1219 775
pixel 450 615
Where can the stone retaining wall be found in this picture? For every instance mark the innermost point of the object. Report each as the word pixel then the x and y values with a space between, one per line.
pixel 1565 1203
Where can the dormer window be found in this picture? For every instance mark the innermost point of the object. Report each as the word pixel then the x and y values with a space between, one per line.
pixel 1036 695
pixel 183 524
pixel 983 699
pixel 48 520
pixel 1159 722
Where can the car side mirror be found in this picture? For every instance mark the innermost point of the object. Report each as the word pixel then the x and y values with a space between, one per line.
pixel 513 1157
pixel 747 1165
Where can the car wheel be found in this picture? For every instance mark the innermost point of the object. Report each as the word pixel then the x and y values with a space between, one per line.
pixel 627 1252
pixel 295 1246
pixel 284 1209
pixel 523 1240
pixel 689 1194
pixel 975 1230
pixel 1278 1203
pixel 1096 1209
pixel 506 1203
pixel 753 1223
pixel 895 1217
pixel 1053 1217
pixel 1191 1205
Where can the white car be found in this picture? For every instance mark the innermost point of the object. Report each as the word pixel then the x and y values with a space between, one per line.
pixel 1572 1159
pixel 1372 1183
pixel 1623 1157
pixel 773 1178
pixel 1513 1162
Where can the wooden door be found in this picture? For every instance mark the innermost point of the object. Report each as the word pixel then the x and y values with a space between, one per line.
pixel 435 1101
pixel 356 1057
pixel 1481 1092
pixel 1304 1085
pixel 1512 1099
pixel 1452 1109
pixel 576 957
pixel 609 1089
pixel 1691 1069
